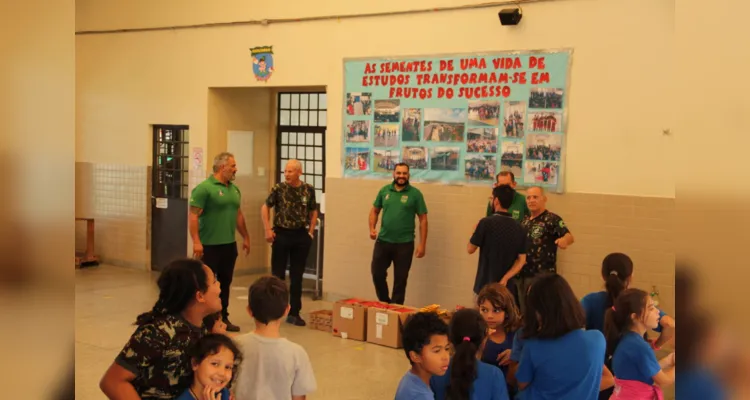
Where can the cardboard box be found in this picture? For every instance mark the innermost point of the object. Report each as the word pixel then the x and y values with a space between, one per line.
pixel 350 319
pixel 385 322
pixel 321 320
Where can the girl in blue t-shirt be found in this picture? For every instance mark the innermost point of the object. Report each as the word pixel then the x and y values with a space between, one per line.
pixel 467 378
pixel 639 376
pixel 498 308
pixel 214 360
pixel 560 360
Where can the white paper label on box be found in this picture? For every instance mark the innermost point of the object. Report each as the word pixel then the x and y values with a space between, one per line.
pixel 344 335
pixel 347 312
pixel 381 319
pixel 379 331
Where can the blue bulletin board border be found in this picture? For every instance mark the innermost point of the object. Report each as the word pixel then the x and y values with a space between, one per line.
pixel 453 158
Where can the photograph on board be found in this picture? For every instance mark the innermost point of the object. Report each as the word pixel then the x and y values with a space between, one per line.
pixel 385 160
pixel 444 124
pixel 444 158
pixel 481 140
pixel 415 157
pixel 358 103
pixel 544 147
pixel 511 158
pixel 386 135
pixel 357 159
pixel 358 131
pixel 480 166
pixel 540 172
pixel 545 121
pixel 515 111
pixel 387 110
pixel 546 98
pixel 484 113
pixel 410 123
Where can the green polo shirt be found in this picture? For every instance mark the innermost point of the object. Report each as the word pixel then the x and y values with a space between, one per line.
pixel 220 204
pixel 399 211
pixel 518 208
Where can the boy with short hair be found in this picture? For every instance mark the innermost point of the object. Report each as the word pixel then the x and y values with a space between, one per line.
pixel 272 367
pixel 426 344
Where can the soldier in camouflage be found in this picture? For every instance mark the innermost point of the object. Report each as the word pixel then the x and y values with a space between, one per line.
pixel 292 232
pixel 154 364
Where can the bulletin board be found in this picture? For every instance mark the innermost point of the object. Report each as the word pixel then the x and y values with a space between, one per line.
pixel 458 119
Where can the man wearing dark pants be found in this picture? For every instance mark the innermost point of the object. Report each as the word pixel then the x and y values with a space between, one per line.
pixel 400 203
pixel 215 214
pixel 294 226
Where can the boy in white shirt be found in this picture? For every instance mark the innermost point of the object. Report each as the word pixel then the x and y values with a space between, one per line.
pixel 272 367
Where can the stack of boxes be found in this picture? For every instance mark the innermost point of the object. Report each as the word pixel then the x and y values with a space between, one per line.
pixel 370 321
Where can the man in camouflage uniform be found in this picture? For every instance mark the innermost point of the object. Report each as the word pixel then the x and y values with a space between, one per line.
pixel 547 232
pixel 157 354
pixel 296 213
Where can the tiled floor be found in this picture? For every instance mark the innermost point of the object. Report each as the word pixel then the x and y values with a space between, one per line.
pixel 109 298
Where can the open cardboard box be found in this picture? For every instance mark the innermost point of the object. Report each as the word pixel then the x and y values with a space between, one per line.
pixel 350 319
pixel 385 323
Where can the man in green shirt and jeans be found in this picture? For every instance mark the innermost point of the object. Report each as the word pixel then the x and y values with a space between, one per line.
pixel 401 203
pixel 214 216
pixel 518 209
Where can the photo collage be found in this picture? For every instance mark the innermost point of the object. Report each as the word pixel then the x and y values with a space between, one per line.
pixel 480 140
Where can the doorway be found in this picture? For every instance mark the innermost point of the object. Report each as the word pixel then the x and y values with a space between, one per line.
pixel 169 194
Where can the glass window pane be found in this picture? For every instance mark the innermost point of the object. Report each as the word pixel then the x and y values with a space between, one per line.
pixel 310 138
pixel 301 138
pixel 318 195
pixel 284 101
pixel 292 152
pixel 303 178
pixel 318 182
pixel 295 101
pixel 303 118
pixel 284 137
pixel 313 119
pixel 284 118
pixel 314 101
pixel 322 119
pixel 292 138
pixel 318 153
pixel 318 139
pixel 295 118
pixel 284 151
pixel 303 101
pixel 300 152
pixel 283 164
pixel 282 177
pixel 310 154
pixel 319 167
pixel 323 102
pixel 309 167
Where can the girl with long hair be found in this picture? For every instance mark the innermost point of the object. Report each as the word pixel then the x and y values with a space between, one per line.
pixel 639 376
pixel 468 378
pixel 154 364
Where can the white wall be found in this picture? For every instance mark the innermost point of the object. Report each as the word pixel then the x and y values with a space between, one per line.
pixel 619 100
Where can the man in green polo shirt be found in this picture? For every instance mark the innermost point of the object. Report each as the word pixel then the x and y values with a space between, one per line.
pixel 215 214
pixel 518 209
pixel 401 203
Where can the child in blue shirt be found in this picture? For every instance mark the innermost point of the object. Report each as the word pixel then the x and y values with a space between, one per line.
pixel 633 360
pixel 467 377
pixel 425 341
pixel 214 360
pixel 498 308
pixel 560 360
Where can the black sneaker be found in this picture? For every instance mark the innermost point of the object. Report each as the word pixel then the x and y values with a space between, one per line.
pixel 231 327
pixel 296 321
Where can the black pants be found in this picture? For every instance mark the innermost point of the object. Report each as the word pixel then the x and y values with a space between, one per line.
pixel 221 258
pixel 292 245
pixel 400 254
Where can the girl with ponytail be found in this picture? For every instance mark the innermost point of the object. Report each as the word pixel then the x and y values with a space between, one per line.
pixel 639 376
pixel 467 377
pixel 155 362
pixel 617 272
